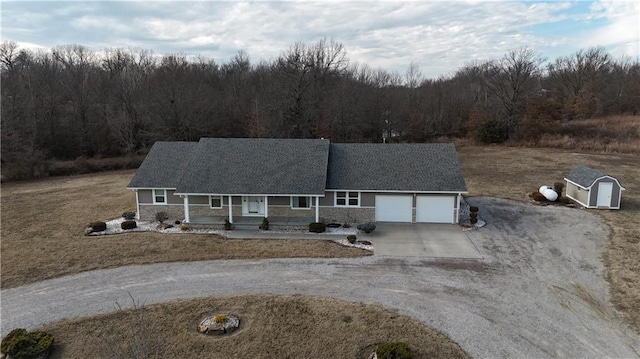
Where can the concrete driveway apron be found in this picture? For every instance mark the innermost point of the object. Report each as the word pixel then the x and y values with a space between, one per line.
pixel 422 240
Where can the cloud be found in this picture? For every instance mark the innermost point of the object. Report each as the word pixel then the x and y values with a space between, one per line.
pixel 621 34
pixel 439 36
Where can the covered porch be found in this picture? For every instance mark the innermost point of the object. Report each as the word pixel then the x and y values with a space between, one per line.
pixel 250 209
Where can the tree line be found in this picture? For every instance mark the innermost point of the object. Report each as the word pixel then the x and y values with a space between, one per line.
pixel 72 102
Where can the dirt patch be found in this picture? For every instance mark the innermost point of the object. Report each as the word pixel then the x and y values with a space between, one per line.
pixel 272 327
pixel 44 221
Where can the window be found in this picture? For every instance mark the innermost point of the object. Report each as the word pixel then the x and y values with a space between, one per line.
pixel 301 202
pixel 215 202
pixel 348 199
pixel 159 196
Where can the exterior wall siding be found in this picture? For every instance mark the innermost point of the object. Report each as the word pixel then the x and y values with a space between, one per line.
pixel 279 201
pixel 172 198
pixel 203 200
pixel 367 199
pixel 577 193
pixel 327 200
pixel 145 196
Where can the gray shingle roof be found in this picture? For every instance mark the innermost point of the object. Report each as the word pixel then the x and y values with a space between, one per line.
pixel 395 167
pixel 257 166
pixel 584 176
pixel 163 166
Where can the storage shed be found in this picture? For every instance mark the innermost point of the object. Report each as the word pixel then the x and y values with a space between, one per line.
pixel 593 189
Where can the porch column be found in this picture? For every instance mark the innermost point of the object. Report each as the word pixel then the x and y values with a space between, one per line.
pixel 185 199
pixel 230 210
pixel 457 212
pixel 137 205
pixel 266 206
pixel 317 209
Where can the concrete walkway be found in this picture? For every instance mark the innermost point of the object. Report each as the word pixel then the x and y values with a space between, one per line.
pixel 422 240
pixel 255 234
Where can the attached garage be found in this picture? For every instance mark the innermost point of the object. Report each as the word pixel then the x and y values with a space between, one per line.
pixel 394 208
pixel 435 209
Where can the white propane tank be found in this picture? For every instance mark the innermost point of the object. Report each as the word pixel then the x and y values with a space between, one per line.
pixel 542 188
pixel 550 194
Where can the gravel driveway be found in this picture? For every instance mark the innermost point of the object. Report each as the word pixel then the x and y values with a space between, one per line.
pixel 540 292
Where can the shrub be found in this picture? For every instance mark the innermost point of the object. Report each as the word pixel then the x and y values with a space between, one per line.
pixel 98 226
pixel 539 197
pixel 228 226
pixel 20 344
pixel 393 350
pixel 474 220
pixel 494 131
pixel 367 227
pixel 351 238
pixel 265 224
pixel 129 215
pixel 346 225
pixel 161 217
pixel 473 209
pixel 473 215
pixel 564 200
pixel 184 227
pixel 558 187
pixel 220 318
pixel 128 225
pixel 317 227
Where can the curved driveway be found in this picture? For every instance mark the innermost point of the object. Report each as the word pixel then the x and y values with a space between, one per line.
pixel 525 300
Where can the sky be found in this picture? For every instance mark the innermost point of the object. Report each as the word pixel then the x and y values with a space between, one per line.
pixel 438 36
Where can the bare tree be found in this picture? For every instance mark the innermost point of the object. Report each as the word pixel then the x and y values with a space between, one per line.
pixel 511 80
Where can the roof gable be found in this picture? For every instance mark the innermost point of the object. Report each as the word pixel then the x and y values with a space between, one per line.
pixel 257 166
pixel 585 176
pixel 163 165
pixel 429 167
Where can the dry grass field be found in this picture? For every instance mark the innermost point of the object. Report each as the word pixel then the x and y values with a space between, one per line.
pixel 42 221
pixel 512 172
pixel 271 327
pixel 614 134
pixel 43 224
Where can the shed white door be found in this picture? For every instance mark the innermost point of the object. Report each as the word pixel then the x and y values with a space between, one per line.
pixel 394 208
pixel 605 189
pixel 435 209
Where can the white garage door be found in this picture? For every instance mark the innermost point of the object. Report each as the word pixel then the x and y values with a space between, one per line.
pixel 395 208
pixel 435 209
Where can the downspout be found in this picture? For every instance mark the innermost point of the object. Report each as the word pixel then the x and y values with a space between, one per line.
pixel 230 210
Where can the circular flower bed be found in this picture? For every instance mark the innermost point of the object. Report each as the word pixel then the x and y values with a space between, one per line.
pixel 219 324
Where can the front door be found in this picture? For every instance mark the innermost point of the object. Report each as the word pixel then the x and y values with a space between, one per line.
pixel 253 205
pixel 605 190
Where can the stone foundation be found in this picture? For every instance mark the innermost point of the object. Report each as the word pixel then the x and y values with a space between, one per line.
pixel 347 215
pixel 175 212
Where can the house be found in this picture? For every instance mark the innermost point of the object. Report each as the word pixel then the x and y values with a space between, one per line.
pixel 593 189
pixel 234 178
